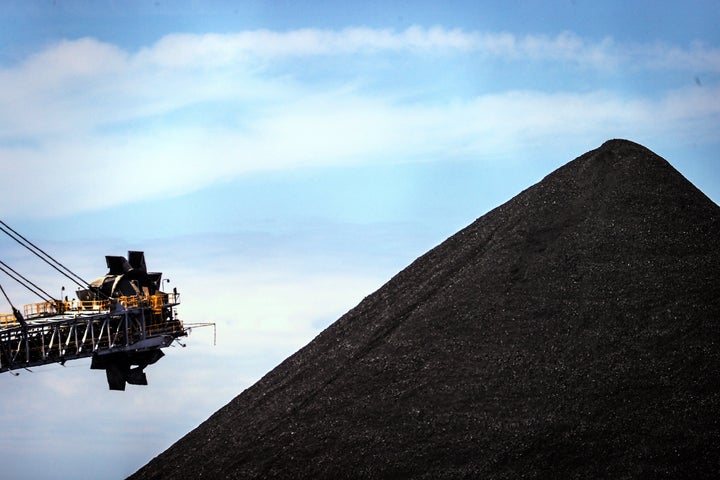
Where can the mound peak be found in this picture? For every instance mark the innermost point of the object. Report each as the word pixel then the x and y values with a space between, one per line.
pixel 571 332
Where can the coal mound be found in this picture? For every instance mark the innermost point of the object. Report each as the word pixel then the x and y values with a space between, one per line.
pixel 572 332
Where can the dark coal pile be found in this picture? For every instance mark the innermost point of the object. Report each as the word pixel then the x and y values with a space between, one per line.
pixel 573 332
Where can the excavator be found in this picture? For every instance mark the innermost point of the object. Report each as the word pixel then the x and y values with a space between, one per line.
pixel 121 320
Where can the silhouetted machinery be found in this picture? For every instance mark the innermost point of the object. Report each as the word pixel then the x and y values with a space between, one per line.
pixel 122 320
pixel 148 315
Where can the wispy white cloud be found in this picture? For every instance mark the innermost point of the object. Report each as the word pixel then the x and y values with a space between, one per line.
pixel 183 50
pixel 83 120
pixel 76 86
pixel 329 130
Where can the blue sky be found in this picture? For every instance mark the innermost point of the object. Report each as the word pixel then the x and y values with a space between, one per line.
pixel 279 161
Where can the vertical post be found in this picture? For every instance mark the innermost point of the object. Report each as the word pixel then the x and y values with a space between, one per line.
pixel 77 345
pixel 42 343
pixel 91 326
pixel 127 336
pixel 142 323
pixel 23 324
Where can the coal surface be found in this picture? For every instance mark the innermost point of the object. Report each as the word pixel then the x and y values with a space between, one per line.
pixel 573 332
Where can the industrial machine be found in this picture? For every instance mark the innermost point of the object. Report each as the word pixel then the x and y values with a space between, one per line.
pixel 122 320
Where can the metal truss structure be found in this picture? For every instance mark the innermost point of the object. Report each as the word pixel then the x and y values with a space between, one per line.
pixel 117 333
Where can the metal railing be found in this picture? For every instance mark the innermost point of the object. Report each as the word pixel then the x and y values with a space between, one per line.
pixel 71 332
pixel 59 307
pixel 7 320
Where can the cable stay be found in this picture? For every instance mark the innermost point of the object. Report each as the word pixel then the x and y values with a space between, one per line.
pixel 25 282
pixel 8 300
pixel 44 256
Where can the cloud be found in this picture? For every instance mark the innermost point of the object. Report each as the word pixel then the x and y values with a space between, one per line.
pixel 190 50
pixel 92 172
pixel 96 126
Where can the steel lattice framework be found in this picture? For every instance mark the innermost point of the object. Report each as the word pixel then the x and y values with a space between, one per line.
pixel 55 332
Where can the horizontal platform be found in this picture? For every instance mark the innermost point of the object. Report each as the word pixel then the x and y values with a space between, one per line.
pixel 112 327
pixel 47 311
